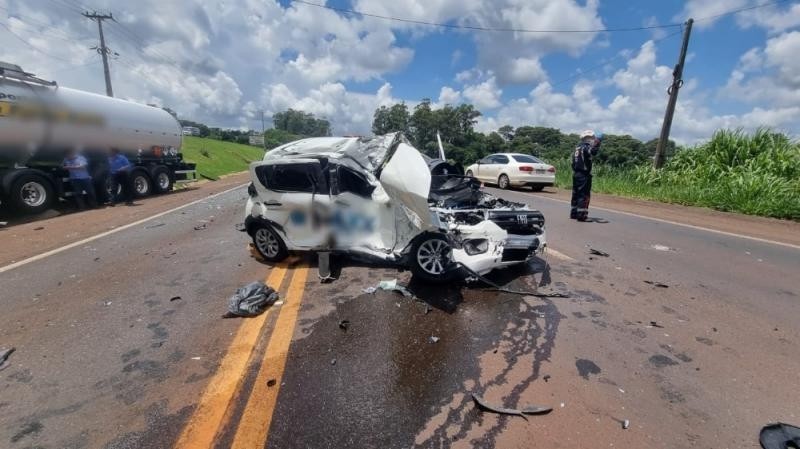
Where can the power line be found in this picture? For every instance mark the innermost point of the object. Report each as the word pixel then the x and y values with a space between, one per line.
pixel 21 39
pixel 480 28
pixel 610 61
pixel 747 8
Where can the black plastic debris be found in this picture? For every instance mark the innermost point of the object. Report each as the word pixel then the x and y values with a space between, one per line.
pixel 780 436
pixel 656 284
pixel 271 382
pixel 251 300
pixel 175 298
pixel 344 324
pixel 4 354
pixel 528 410
pixel 597 252
pixel 200 227
pixel 546 377
pixel 38 228
pixel 655 324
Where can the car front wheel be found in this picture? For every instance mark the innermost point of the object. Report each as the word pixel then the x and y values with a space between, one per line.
pixel 432 258
pixel 469 174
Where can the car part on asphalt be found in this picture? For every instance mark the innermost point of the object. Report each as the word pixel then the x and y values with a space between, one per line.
pixel 175 298
pixel 780 436
pixel 201 226
pixel 528 410
pixel 344 324
pixel 432 339
pixel 597 252
pixel 251 300
pixel 656 284
pixel 4 354
pixel 498 288
pixel 626 424
pixel 392 285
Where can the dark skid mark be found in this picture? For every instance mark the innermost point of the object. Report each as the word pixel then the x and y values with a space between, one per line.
pixel 130 355
pixel 705 341
pixel 31 428
pixel 660 361
pixel 586 367
pixel 150 369
pixel 578 315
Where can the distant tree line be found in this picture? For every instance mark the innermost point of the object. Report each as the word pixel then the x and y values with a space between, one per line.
pixel 465 145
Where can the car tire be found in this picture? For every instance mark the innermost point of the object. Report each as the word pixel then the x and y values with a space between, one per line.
pixel 31 194
pixel 431 258
pixel 141 183
pixel 162 181
pixel 469 174
pixel 503 182
pixel 269 244
pixel 537 187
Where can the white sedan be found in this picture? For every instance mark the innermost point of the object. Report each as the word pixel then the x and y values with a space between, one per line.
pixel 513 170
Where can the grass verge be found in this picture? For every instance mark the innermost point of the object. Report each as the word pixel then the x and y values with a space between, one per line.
pixel 215 158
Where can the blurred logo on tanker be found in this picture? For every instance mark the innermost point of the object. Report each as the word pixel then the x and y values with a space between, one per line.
pixel 26 109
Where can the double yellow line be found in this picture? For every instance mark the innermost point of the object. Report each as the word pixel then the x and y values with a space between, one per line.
pixel 216 406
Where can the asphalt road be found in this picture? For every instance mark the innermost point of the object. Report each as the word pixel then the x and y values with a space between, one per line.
pixel 120 343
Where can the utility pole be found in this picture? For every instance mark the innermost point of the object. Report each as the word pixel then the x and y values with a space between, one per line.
pixel 263 129
pixel 103 50
pixel 677 82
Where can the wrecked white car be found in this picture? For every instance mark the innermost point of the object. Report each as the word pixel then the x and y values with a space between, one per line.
pixel 379 198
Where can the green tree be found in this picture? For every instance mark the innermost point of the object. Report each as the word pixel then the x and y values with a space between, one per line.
pixel 391 119
pixel 301 123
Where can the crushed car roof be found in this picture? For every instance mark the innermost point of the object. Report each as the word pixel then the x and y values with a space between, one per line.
pixel 368 153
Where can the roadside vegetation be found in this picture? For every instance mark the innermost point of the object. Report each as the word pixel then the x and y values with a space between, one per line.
pixel 215 158
pixel 756 173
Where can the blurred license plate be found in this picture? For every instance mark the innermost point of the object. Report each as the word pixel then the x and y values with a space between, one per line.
pixel 540 171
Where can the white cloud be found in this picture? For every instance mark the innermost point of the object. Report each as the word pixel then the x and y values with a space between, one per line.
pixel 485 95
pixel 634 110
pixel 448 95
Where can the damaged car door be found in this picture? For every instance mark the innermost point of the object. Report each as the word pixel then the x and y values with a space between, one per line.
pixel 292 196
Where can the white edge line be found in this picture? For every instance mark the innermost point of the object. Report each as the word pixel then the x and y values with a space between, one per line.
pixel 109 232
pixel 661 220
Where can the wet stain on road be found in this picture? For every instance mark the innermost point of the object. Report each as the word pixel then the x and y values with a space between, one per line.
pixel 586 367
pixel 159 429
pixel 660 361
pixel 31 428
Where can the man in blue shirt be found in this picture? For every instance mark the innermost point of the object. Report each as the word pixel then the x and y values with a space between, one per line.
pixel 120 168
pixel 80 179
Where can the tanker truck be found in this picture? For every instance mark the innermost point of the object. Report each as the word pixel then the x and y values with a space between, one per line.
pixel 41 121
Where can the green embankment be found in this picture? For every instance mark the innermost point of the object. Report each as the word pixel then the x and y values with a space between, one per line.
pixel 215 158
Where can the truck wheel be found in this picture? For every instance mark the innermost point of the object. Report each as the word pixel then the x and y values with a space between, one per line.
pixel 162 181
pixel 269 244
pixel 142 185
pixel 31 193
pixel 431 258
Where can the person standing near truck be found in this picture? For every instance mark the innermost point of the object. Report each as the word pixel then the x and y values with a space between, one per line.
pixel 120 170
pixel 80 179
pixel 582 174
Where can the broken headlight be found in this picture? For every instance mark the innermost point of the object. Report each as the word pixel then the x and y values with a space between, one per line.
pixel 476 246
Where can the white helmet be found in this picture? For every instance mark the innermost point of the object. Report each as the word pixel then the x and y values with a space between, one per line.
pixel 587 133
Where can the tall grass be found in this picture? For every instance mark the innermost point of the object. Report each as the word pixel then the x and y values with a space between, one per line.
pixel 757 174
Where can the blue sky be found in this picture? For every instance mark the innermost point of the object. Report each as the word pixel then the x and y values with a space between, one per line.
pixel 225 63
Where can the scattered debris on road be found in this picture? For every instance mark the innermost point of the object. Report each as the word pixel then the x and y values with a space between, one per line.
pixel 656 284
pixel 344 324
pixel 547 377
pixel 529 410
pixel 4 354
pixel 369 290
pixel 271 382
pixel 655 324
pixel 658 247
pixel 597 252
pixel 779 436
pixel 153 226
pixel 433 339
pixel 333 361
pixel 175 298
pixel 499 288
pixel 626 424
pixel 200 227
pixel 392 285
pixel 251 300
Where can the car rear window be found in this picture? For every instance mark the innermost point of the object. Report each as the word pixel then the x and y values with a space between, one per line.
pixel 526 158
pixel 291 177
